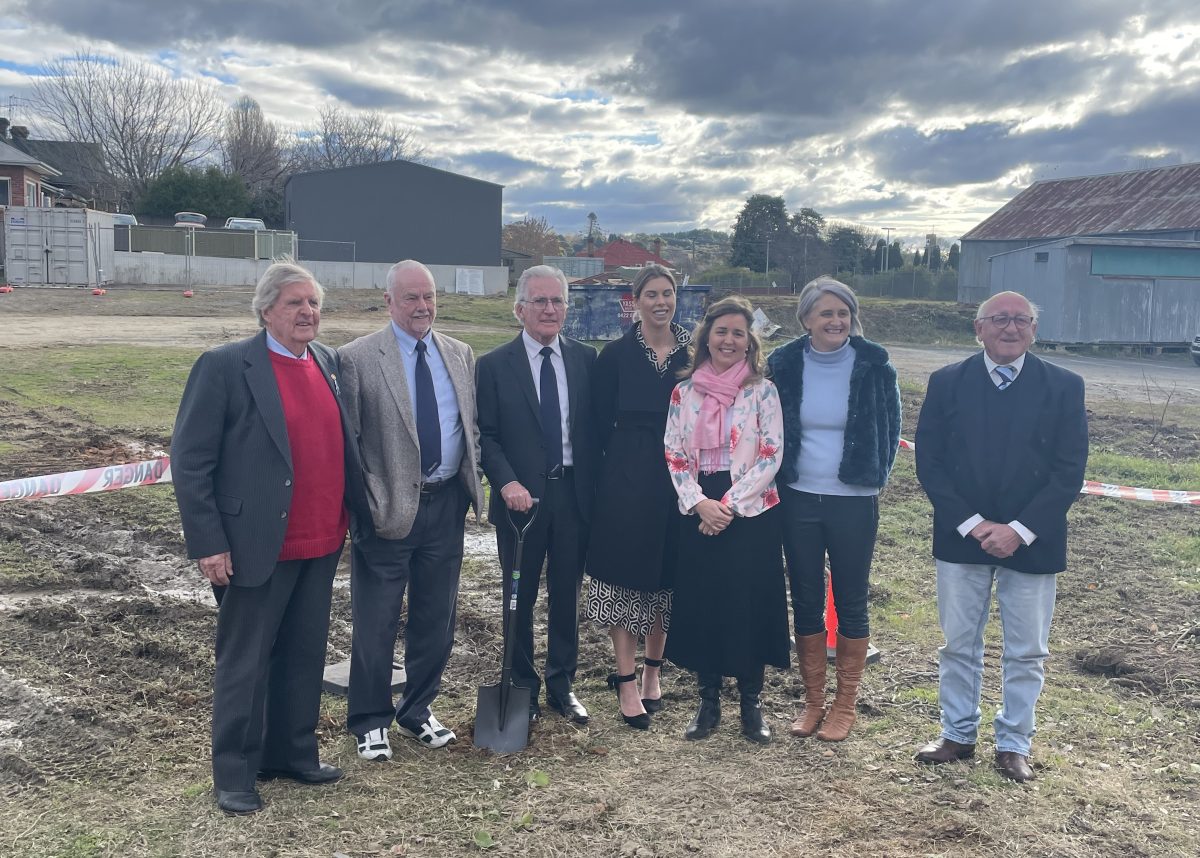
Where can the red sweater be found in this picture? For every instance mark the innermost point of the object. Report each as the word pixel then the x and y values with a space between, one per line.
pixel 317 519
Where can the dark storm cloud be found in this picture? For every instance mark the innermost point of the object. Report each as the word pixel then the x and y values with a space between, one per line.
pixel 494 166
pixel 1100 142
pixel 359 92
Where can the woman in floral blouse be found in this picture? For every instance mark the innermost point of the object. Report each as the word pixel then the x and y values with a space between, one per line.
pixel 723 440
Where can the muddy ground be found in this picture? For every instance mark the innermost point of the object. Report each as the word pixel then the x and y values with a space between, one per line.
pixel 105 687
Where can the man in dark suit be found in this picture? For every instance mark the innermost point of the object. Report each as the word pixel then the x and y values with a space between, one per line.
pixel 536 441
pixel 1002 443
pixel 262 468
pixel 410 394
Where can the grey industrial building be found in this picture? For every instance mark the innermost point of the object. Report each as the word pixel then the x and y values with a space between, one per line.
pixel 395 210
pixel 1109 259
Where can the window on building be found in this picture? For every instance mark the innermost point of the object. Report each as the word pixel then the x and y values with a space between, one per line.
pixel 32 197
pixel 1041 257
pixel 5 196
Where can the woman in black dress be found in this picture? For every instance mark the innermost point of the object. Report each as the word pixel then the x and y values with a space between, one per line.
pixel 635 522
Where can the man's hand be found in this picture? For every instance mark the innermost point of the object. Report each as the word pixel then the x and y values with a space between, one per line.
pixel 217 568
pixel 714 516
pixel 998 540
pixel 516 497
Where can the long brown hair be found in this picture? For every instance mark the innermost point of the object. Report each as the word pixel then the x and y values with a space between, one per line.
pixel 699 353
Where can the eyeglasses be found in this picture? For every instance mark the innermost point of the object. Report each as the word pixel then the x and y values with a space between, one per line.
pixel 1001 322
pixel 543 303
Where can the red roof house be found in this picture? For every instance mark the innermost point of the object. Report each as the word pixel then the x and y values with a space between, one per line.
pixel 623 253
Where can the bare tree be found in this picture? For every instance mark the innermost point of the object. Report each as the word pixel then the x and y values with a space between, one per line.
pixel 142 119
pixel 252 145
pixel 344 139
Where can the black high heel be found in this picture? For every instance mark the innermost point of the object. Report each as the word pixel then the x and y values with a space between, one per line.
pixel 653 706
pixel 641 721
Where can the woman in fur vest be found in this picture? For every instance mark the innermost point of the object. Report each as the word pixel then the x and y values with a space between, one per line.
pixel 841 417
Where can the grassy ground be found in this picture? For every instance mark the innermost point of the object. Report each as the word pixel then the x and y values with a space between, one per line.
pixel 105 679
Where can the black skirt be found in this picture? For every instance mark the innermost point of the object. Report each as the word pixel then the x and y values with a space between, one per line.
pixel 635 519
pixel 729 608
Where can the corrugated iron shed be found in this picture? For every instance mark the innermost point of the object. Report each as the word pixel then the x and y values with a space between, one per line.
pixel 1163 198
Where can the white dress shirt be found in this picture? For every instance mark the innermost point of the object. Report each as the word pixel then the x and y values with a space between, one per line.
pixel 449 419
pixel 534 350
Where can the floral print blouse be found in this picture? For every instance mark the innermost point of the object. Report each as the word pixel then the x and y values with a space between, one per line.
pixel 756 445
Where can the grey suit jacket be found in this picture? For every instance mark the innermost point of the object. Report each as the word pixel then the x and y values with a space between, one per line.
pixel 375 391
pixel 231 461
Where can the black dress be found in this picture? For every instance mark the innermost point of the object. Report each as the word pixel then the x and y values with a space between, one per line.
pixel 635 521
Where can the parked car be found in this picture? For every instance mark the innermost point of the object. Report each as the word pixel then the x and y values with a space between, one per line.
pixel 1196 350
pixel 123 219
pixel 244 223
pixel 190 220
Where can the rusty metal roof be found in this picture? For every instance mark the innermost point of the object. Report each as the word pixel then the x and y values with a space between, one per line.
pixel 1163 198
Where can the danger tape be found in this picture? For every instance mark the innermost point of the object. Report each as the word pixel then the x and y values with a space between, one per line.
pixel 105 479
pixel 1091 487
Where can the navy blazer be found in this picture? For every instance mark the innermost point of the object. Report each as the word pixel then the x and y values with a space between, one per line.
pixel 510 426
pixel 1044 462
pixel 231 461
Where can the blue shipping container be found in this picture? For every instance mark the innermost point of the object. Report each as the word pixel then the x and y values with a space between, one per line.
pixel 606 312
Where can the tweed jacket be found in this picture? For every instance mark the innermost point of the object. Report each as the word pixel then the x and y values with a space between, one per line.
pixel 872 433
pixel 375 390
pixel 755 450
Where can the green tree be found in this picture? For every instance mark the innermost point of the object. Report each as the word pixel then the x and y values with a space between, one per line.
pixel 935 258
pixel 210 192
pixel 762 219
pixel 916 259
pixel 953 257
pixel 848 244
pixel 895 256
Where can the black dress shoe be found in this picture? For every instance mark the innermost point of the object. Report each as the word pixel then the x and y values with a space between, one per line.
pixel 323 774
pixel 239 803
pixel 944 751
pixel 1014 766
pixel 568 707
pixel 535 711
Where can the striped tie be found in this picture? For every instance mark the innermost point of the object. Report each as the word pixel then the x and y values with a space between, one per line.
pixel 1007 374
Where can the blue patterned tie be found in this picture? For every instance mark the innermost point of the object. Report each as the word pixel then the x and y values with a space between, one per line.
pixel 551 415
pixel 1007 374
pixel 429 425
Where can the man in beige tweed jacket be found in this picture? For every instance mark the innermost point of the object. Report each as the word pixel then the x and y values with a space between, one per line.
pixel 410 394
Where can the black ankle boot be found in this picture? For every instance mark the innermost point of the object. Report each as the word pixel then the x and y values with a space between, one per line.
pixel 708 716
pixel 753 726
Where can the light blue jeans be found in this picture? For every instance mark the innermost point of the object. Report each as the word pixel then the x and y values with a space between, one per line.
pixel 1026 603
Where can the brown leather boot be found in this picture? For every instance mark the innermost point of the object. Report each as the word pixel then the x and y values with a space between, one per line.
pixel 851 658
pixel 810 650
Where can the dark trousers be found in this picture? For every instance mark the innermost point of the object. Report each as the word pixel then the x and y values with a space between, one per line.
pixel 557 540
pixel 844 527
pixel 270 658
pixel 426 563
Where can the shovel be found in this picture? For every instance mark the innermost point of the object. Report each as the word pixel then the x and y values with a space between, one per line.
pixel 502 711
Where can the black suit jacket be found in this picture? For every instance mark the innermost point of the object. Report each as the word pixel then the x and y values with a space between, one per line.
pixel 1044 463
pixel 231 462
pixel 510 428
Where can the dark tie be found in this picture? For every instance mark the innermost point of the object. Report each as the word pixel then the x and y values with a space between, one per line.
pixel 1007 374
pixel 429 426
pixel 551 416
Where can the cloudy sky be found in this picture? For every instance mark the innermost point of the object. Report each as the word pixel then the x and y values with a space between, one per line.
pixel 661 116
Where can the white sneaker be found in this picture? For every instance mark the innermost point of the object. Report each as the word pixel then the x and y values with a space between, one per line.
pixel 432 733
pixel 374 745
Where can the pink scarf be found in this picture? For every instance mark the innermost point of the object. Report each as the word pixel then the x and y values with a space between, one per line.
pixel 719 391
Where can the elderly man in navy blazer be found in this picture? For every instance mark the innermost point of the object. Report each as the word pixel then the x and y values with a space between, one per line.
pixel 537 440
pixel 264 474
pixel 1002 442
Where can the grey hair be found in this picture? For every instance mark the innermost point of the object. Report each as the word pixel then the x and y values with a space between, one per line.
pixel 826 285
pixel 538 271
pixel 649 272
pixel 280 273
pixel 983 308
pixel 407 265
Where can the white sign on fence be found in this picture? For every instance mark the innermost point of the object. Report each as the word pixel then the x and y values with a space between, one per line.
pixel 468 280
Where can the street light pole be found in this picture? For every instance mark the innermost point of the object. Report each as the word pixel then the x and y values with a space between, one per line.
pixel 887 248
pixel 767 266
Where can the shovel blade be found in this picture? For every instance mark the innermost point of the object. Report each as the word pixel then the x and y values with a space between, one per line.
pixel 502 719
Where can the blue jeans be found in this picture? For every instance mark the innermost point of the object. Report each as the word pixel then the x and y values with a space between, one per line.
pixel 1026 603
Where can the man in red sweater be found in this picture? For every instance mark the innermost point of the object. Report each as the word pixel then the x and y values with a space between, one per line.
pixel 263 474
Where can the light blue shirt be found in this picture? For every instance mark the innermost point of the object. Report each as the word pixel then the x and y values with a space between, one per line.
pixel 447 400
pixel 279 348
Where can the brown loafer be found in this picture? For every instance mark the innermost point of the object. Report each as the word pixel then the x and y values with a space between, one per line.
pixel 944 751
pixel 1014 766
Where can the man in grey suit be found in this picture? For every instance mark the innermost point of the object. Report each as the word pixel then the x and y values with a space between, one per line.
pixel 538 441
pixel 410 394
pixel 264 471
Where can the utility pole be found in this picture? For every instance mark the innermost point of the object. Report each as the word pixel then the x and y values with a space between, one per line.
pixel 887 248
pixel 767 267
